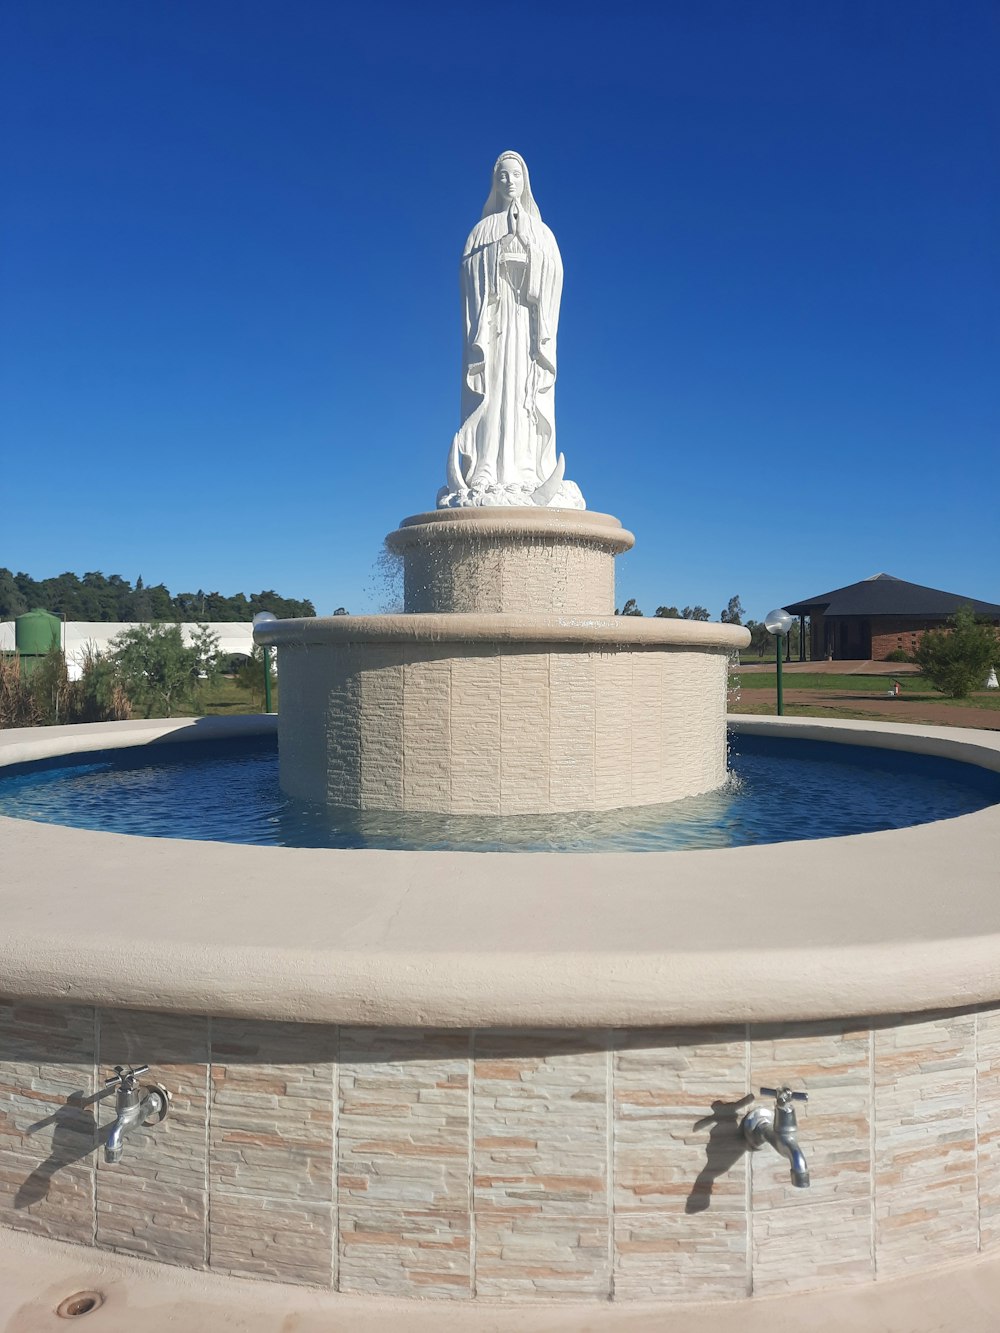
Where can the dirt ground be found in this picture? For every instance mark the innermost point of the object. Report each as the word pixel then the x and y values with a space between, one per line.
pixel 842 703
pixel 866 702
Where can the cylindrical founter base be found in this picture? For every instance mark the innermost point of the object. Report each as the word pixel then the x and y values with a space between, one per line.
pixel 500 715
pixel 510 561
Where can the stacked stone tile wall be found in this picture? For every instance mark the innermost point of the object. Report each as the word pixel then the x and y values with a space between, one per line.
pixel 509 1165
pixel 500 562
pixel 497 729
pixel 510 577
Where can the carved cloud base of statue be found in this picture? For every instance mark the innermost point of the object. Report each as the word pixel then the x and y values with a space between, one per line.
pixel 555 493
pixel 568 496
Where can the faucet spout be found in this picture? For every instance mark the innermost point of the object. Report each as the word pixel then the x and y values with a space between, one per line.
pixel 133 1108
pixel 114 1144
pixel 780 1129
pixel 787 1145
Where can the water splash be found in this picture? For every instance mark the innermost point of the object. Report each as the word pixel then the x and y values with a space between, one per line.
pixel 385 583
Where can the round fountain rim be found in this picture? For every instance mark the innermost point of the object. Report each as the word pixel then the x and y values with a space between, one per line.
pixel 492 630
pixel 589 526
pixel 900 921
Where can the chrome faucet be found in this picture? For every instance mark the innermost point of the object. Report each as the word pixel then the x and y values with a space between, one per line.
pixel 134 1107
pixel 780 1129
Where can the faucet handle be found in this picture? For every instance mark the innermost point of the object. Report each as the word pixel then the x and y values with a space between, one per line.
pixel 784 1095
pixel 125 1076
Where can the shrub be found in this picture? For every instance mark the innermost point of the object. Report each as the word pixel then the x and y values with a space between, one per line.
pixel 17 706
pixel 155 668
pixel 47 696
pixel 957 660
pixel 249 675
pixel 897 655
pixel 98 696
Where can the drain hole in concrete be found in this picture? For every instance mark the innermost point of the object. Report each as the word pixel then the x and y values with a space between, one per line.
pixel 81 1302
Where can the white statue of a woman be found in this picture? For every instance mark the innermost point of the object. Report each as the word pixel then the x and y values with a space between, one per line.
pixel 504 452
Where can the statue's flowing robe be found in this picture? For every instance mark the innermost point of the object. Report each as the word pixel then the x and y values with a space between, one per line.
pixel 511 315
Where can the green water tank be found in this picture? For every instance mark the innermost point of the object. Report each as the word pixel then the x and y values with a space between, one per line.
pixel 35 633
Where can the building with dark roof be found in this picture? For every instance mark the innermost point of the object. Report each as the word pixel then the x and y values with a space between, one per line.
pixel 870 619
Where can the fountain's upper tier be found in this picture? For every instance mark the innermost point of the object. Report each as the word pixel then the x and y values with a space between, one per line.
pixel 503 561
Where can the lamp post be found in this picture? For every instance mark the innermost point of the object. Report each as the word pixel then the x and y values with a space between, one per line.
pixel 263 618
pixel 778 623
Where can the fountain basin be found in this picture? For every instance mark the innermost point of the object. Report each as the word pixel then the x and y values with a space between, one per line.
pixel 457 1075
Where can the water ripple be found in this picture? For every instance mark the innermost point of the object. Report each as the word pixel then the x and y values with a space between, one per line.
pixel 779 790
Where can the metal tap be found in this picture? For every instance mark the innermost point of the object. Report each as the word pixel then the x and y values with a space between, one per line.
pixel 780 1129
pixel 134 1107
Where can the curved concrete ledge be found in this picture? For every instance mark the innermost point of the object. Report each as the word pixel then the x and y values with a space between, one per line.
pixel 583 525
pixel 878 923
pixel 602 632
pixel 26 744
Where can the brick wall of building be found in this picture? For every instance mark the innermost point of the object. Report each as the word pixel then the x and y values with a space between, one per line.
pixel 890 633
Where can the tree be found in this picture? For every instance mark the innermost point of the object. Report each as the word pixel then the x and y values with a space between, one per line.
pixel 733 614
pixel 12 601
pixel 155 667
pixel 667 613
pixel 249 675
pixel 205 642
pixel 96 597
pixel 49 687
pixel 759 637
pixel 694 613
pixel 629 609
pixel 958 659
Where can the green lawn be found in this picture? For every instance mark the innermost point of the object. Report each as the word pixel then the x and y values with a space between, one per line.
pixel 914 689
pixel 224 697
pixel 822 680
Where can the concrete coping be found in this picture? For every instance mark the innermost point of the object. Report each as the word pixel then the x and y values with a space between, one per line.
pixel 878 923
pixel 602 633
pixel 517 523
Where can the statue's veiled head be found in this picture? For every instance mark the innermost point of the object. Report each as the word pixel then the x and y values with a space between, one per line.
pixel 511 184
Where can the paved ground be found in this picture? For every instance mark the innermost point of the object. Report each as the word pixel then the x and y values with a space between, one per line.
pixel 138 1296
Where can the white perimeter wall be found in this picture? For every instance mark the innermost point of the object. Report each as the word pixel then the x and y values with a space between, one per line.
pixel 79 635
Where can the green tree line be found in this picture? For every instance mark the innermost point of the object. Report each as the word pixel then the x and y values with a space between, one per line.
pixel 111 598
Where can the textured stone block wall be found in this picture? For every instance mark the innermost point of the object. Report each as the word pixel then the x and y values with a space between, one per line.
pixel 502 574
pixel 496 729
pixel 509 1165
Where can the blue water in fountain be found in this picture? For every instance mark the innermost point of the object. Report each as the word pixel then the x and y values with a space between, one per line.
pixel 778 791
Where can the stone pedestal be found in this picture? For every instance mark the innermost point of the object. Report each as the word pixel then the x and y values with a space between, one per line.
pixel 508 686
pixel 510 561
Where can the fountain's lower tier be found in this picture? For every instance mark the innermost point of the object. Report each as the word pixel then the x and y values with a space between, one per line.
pixel 504 1080
pixel 501 714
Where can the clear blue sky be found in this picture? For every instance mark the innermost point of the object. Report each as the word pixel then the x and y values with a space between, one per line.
pixel 229 326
